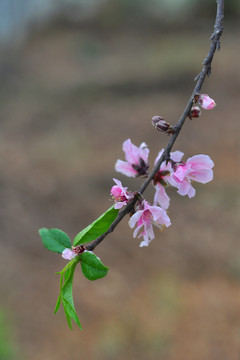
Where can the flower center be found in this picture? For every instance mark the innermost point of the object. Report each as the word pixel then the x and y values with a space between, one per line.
pixel 158 178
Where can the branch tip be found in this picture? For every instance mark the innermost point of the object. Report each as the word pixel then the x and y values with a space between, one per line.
pixel 206 71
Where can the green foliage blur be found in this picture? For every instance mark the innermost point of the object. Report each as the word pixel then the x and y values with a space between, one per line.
pixel 115 12
pixel 7 346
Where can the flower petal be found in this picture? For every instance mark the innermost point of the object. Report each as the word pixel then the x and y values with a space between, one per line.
pixel 119 204
pixel 135 218
pixel 144 152
pixel 203 176
pixel 185 188
pixel 125 168
pixel 68 254
pixel 161 197
pixel 182 171
pixel 201 161
pixel 131 152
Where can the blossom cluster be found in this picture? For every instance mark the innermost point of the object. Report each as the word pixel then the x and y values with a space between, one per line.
pixel 175 173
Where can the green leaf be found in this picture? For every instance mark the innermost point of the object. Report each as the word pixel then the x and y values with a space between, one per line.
pixel 67 296
pixel 58 303
pixel 97 228
pixel 55 240
pixel 66 314
pixel 60 295
pixel 70 313
pixel 92 267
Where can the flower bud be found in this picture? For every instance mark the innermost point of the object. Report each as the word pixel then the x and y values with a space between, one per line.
pixel 205 101
pixel 195 112
pixel 161 125
pixel 155 120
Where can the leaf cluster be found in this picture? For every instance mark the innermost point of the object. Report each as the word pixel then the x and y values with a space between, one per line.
pixel 92 268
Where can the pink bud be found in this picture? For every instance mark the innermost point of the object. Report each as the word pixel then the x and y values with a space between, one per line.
pixel 120 194
pixel 206 102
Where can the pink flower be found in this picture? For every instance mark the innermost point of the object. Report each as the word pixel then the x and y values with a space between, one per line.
pixel 161 179
pixel 68 254
pixel 206 102
pixel 120 194
pixel 145 218
pixel 137 160
pixel 197 168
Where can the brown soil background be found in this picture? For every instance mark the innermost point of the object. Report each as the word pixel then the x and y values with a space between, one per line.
pixel 69 98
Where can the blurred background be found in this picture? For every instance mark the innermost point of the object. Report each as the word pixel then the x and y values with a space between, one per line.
pixel 77 78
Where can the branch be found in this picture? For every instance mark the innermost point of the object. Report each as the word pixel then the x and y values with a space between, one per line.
pixel 206 71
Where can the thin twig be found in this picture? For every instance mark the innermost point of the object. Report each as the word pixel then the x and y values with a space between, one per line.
pixel 206 71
